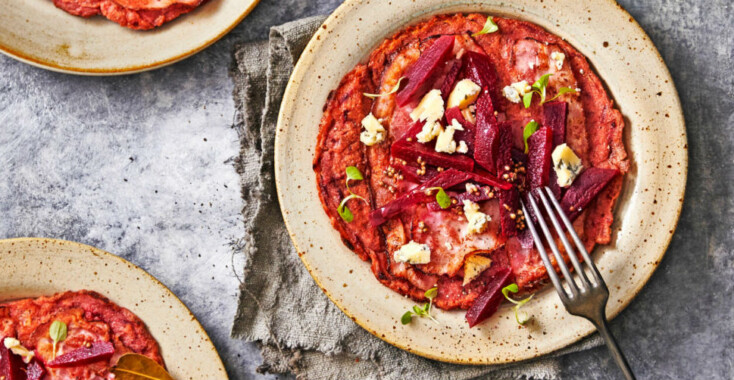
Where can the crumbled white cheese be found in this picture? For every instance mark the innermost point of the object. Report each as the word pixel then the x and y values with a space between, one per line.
pixel 558 59
pixel 445 142
pixel 465 93
pixel 566 164
pixel 374 131
pixel 430 108
pixel 462 148
pixel 477 219
pixel 515 91
pixel 474 266
pixel 471 188
pixel 448 245
pixel 429 132
pixel 413 253
pixel 15 347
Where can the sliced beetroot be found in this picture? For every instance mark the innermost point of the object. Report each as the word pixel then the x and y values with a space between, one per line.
pixel 489 300
pixel 444 180
pixel 554 117
pixel 410 171
pixel 509 198
pixel 540 147
pixel 488 179
pixel 584 189
pixel 450 79
pixel 481 71
pixel 485 134
pixel 97 351
pixel 483 193
pixel 519 156
pixel 35 370
pixel 411 151
pixel 421 75
pixel 467 135
pixel 11 365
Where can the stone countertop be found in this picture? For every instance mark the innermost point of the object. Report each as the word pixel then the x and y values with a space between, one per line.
pixel 141 166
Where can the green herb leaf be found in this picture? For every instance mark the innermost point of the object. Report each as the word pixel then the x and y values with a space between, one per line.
pixel 443 199
pixel 541 83
pixel 512 288
pixel 561 91
pixel 431 293
pixel 417 310
pixel 344 211
pixel 353 174
pixel 406 318
pixel 489 27
pixel 57 332
pixel 394 90
pixel 521 317
pixel 527 99
pixel 530 128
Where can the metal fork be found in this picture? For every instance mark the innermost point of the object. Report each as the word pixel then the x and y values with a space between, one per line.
pixel 584 299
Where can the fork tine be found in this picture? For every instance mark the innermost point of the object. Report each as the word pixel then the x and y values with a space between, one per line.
pixel 559 259
pixel 579 244
pixel 559 230
pixel 544 256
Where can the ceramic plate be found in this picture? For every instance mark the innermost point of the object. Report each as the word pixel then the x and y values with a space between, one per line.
pixel 645 219
pixel 41 267
pixel 36 32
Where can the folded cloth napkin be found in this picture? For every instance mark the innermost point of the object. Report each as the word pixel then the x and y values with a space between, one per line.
pixel 296 326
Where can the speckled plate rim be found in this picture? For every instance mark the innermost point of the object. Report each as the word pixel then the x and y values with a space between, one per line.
pixel 48 64
pixel 82 250
pixel 678 181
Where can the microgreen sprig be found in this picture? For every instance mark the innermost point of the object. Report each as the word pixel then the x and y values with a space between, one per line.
pixel 392 91
pixel 520 316
pixel 353 174
pixel 489 27
pixel 442 198
pixel 421 311
pixel 530 128
pixel 539 88
pixel 57 332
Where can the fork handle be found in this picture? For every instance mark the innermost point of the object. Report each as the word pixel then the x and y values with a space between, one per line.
pixel 614 349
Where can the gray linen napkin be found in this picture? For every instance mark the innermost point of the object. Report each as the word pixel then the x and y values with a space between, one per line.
pixel 296 326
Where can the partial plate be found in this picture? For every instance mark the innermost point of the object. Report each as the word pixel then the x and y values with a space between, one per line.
pixel 35 267
pixel 645 219
pixel 38 33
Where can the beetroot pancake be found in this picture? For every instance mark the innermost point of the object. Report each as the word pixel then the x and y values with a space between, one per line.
pixel 98 334
pixel 133 14
pixel 452 130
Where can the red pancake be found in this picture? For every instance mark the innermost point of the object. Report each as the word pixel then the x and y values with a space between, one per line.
pixel 133 14
pixel 519 51
pixel 91 318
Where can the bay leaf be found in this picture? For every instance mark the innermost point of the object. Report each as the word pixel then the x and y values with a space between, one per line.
pixel 139 367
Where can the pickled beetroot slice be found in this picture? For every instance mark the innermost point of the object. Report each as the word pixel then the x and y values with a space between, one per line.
pixel 443 180
pixel 510 198
pixel 35 370
pixel 11 365
pixel 481 71
pixel 489 300
pixel 83 355
pixel 467 135
pixel 479 196
pixel 540 147
pixel 421 74
pixel 410 172
pixel 411 151
pixel 450 79
pixel 554 117
pixel 485 134
pixel 584 189
pixel 488 179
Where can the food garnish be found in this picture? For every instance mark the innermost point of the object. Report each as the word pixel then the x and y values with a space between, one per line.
pixel 566 164
pixel 529 129
pixel 445 142
pixel 520 316
pixel 353 174
pixel 465 93
pixel 86 354
pixel 489 27
pixel 489 300
pixel 421 311
pixel 15 347
pixel 539 88
pixel 373 132
pixel 57 332
pixel 136 367
pixel 442 198
pixel 477 219
pixel 413 253
pixel 392 91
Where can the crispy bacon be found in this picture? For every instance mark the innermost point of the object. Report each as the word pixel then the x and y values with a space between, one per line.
pixel 133 14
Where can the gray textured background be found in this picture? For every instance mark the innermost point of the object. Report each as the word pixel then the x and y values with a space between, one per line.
pixel 141 166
